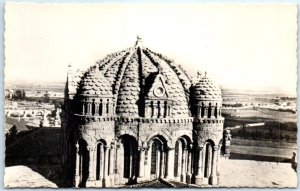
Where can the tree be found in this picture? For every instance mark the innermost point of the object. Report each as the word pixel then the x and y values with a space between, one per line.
pixel 46 97
pixel 18 95
pixel 23 94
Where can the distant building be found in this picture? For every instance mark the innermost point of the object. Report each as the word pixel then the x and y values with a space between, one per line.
pixel 135 116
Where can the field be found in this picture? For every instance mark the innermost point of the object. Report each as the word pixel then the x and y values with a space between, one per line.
pixel 259 113
pixel 275 141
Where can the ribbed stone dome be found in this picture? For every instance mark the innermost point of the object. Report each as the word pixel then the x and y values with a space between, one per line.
pixel 127 73
pixel 93 83
pixel 205 89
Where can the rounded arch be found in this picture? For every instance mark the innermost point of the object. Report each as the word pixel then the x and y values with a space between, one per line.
pixel 208 157
pixel 160 138
pixel 185 138
pixel 210 141
pixel 161 135
pixel 101 140
pixel 157 154
pixel 182 157
pixel 127 158
pixel 83 161
pixel 101 148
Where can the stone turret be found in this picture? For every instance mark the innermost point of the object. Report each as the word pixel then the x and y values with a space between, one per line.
pixel 208 125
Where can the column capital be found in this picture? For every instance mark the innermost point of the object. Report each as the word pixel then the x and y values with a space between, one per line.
pixel 170 148
pixel 90 148
pixel 200 147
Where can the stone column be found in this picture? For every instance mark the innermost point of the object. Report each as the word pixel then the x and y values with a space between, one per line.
pixel 199 174
pixel 83 108
pixel 95 163
pixel 213 176
pixel 183 166
pixel 111 164
pixel 205 112
pixel 96 108
pixel 212 111
pixel 89 108
pixel 91 152
pixel 162 163
pixel 142 162
pixel 117 165
pixel 111 161
pixel 105 169
pixel 104 108
pixel 101 163
pixel 77 177
pixel 189 164
pixel 147 109
pixel 148 161
pixel 179 168
pixel 170 166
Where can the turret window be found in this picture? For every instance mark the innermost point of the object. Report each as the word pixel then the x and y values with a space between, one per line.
pixel 93 107
pixel 158 109
pixel 209 110
pixel 100 107
pixel 107 106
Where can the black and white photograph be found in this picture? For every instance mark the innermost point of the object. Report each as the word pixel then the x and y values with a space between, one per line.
pixel 150 95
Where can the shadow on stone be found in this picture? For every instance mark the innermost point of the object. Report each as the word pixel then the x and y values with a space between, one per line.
pixel 259 158
pixel 39 150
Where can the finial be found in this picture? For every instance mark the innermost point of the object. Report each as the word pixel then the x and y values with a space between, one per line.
pixel 205 74
pixel 199 74
pixel 139 41
pixel 159 69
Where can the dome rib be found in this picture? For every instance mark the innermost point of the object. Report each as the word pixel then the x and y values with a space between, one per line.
pixel 183 78
pixel 127 71
pixel 120 72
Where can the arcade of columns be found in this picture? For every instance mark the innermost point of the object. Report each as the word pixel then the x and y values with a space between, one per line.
pixel 105 165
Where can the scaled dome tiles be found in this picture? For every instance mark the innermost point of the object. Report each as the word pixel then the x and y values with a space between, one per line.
pixel 93 83
pixel 205 89
pixel 125 74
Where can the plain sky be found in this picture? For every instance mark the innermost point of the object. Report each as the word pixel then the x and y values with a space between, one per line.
pixel 240 46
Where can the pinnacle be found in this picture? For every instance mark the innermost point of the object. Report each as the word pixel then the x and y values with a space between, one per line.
pixel 139 42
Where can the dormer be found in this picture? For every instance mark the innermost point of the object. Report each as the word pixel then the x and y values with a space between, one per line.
pixel 157 101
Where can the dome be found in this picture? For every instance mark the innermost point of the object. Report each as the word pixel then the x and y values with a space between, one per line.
pixel 93 83
pixel 205 89
pixel 127 73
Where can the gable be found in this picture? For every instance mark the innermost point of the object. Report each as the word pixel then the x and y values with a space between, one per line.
pixel 158 88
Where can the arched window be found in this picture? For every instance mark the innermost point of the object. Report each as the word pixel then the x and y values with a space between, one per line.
pixel 158 109
pixel 152 108
pixel 93 107
pixel 156 157
pixel 165 109
pixel 83 162
pixel 100 107
pixel 202 109
pixel 208 160
pixel 209 111
pixel 107 106
pixel 100 161
pixel 216 111
pixel 176 168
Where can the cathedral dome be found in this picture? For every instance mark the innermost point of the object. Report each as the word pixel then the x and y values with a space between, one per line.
pixel 129 74
pixel 93 83
pixel 205 89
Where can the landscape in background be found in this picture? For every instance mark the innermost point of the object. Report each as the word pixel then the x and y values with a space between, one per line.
pixel 263 125
pixel 132 131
